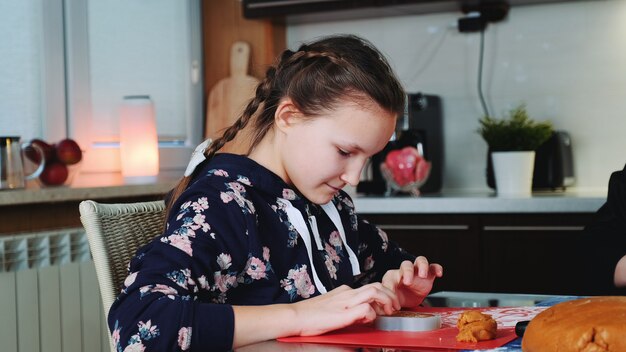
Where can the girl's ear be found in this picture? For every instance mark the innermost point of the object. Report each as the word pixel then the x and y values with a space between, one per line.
pixel 286 114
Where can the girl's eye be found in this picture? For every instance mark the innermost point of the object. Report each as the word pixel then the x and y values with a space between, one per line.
pixel 343 152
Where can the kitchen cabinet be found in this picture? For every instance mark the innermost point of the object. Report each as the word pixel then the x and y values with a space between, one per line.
pixel 451 241
pixel 27 218
pixel 532 253
pixel 521 253
pixel 343 9
pixel 33 210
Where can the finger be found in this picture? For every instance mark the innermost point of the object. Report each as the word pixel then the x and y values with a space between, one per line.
pixel 394 298
pixel 421 263
pixel 407 270
pixel 391 279
pixel 370 315
pixel 391 293
pixel 436 270
pixel 376 292
pixel 362 313
pixel 380 310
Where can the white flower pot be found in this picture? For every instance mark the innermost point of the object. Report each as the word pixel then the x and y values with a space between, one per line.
pixel 513 172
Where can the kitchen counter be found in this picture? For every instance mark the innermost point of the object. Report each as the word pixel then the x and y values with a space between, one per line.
pixel 62 194
pixel 478 203
pixel 97 187
pixel 106 186
pixel 35 209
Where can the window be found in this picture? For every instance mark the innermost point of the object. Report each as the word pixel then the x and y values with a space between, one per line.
pixel 21 104
pixel 72 67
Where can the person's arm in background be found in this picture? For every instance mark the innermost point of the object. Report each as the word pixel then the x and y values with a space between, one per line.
pixel 617 197
pixel 603 244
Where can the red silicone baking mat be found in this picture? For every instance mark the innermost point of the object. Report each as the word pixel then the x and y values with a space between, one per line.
pixel 444 338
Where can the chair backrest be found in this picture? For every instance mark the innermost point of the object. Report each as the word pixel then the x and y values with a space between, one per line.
pixel 115 232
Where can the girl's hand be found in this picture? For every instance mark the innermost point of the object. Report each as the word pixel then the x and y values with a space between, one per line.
pixel 344 306
pixel 412 281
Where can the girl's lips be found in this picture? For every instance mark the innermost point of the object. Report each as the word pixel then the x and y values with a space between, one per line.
pixel 335 188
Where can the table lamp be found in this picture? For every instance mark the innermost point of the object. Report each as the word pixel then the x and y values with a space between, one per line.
pixel 139 149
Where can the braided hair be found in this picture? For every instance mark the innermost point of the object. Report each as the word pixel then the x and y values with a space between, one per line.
pixel 315 77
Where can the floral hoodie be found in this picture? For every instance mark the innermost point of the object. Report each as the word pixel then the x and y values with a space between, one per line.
pixel 230 241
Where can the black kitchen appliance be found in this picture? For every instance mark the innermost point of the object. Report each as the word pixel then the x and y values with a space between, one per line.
pixel 421 127
pixel 554 164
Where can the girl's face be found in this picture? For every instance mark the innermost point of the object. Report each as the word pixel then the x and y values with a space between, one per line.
pixel 323 154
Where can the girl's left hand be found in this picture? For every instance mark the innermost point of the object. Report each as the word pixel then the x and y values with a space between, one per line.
pixel 412 282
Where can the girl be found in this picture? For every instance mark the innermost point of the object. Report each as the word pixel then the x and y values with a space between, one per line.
pixel 265 245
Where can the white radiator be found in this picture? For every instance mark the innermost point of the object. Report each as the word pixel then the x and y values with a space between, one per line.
pixel 49 296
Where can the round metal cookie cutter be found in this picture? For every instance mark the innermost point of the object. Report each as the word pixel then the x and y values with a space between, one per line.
pixel 408 321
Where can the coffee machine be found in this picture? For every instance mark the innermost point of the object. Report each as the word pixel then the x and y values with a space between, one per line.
pixel 421 126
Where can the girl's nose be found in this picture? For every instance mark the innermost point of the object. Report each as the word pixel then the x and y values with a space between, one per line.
pixel 352 174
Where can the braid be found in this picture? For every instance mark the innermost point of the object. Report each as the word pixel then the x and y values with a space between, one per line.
pixel 337 60
pixel 303 55
pixel 261 94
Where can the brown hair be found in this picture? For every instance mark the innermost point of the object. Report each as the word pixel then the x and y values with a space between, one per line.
pixel 315 78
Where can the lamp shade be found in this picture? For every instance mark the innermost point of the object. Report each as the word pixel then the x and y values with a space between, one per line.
pixel 139 149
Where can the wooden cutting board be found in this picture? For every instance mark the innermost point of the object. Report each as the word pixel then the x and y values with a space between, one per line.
pixel 229 96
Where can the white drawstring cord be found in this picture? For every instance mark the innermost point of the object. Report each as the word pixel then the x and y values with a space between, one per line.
pixel 297 220
pixel 333 214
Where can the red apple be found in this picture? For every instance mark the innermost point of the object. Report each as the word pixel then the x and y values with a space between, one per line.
pixel 54 174
pixel 32 154
pixel 47 149
pixel 68 152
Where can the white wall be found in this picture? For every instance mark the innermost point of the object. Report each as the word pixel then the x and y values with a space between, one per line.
pixel 566 61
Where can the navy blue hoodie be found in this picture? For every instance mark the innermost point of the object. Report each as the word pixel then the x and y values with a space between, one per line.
pixel 239 235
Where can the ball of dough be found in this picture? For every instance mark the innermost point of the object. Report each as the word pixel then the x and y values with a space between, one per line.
pixel 475 326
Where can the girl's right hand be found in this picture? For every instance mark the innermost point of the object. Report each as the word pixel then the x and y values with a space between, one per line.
pixel 344 306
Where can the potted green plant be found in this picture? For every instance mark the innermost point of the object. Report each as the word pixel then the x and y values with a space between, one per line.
pixel 512 143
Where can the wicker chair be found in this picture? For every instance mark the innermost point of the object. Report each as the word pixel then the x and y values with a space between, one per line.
pixel 115 232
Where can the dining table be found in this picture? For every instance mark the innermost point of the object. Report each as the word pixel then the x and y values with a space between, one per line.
pixel 506 306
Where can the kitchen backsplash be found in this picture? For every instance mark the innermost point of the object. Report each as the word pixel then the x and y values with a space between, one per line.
pixel 565 61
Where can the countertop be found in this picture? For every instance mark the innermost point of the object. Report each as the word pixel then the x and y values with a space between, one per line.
pixel 482 202
pixel 96 187
pixel 113 186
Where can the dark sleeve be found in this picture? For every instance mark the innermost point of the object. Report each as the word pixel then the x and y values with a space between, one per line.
pixel 173 298
pixel 604 240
